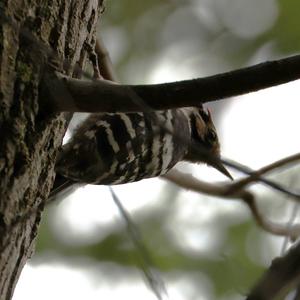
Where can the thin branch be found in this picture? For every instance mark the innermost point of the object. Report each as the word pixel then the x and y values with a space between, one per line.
pixel 294 213
pixel 106 96
pixel 297 294
pixel 155 282
pixel 271 167
pixel 105 64
pixel 191 183
pixel 282 276
pixel 255 176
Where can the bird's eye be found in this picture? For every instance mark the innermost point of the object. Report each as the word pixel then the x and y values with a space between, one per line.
pixel 211 136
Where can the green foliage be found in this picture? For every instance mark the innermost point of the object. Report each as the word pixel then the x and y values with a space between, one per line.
pixel 286 30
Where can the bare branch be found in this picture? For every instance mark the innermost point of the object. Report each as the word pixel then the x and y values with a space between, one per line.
pixel 257 175
pixel 146 263
pixel 191 183
pixel 283 275
pixel 106 67
pixel 105 96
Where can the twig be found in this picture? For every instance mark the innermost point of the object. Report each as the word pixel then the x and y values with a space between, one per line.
pixel 156 284
pixel 292 218
pixel 105 64
pixel 290 222
pixel 297 294
pixel 282 276
pixel 256 175
pixel 191 183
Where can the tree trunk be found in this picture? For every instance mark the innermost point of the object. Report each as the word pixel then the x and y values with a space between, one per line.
pixel 32 34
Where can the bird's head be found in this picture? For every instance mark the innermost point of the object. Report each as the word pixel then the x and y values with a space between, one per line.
pixel 205 145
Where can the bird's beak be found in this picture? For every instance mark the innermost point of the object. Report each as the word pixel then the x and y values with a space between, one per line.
pixel 219 166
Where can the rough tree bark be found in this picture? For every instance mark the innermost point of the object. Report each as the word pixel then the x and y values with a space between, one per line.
pixel 29 134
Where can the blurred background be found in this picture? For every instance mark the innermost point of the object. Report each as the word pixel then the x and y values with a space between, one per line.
pixel 201 247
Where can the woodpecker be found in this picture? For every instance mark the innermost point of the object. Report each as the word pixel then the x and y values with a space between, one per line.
pixel 117 148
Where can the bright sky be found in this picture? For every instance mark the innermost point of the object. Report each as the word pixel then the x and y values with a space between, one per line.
pixel 261 127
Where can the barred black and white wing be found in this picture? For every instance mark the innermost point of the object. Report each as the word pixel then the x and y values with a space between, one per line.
pixel 125 147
